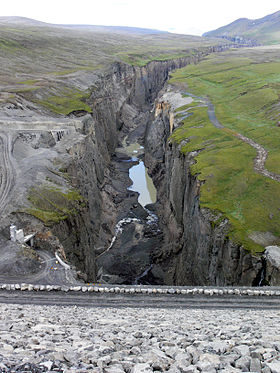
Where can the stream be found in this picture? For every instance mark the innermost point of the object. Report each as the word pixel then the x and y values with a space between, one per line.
pixel 143 184
pixel 128 257
pixel 141 181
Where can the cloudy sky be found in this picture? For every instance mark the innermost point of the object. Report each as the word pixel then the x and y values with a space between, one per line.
pixel 182 16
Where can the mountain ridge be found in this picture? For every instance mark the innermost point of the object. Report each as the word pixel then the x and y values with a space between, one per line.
pixel 265 30
pixel 24 21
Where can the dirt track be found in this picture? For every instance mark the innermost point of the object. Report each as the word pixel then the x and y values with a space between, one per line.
pixel 7 171
pixel 259 164
pixel 262 153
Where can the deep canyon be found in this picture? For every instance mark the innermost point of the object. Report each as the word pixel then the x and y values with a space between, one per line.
pixel 114 239
pixel 111 237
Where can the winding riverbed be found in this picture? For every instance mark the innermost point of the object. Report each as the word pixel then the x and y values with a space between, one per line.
pixel 143 184
pixel 128 258
pixel 141 181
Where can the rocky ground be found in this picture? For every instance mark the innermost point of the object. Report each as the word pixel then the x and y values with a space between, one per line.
pixel 73 339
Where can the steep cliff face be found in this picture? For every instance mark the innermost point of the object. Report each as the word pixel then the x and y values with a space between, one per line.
pixel 196 248
pixel 121 100
pixel 82 233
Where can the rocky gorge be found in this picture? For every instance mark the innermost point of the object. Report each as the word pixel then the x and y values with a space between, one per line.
pixel 122 106
pixel 111 238
pixel 187 248
pixel 196 242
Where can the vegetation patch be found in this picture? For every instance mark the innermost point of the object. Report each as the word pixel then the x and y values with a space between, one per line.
pixel 28 253
pixel 68 101
pixel 52 205
pixel 75 70
pixel 24 90
pixel 9 45
pixel 30 82
pixel 142 59
pixel 244 91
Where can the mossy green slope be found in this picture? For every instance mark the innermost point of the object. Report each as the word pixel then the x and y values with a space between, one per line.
pixel 245 89
pixel 52 205
pixel 68 101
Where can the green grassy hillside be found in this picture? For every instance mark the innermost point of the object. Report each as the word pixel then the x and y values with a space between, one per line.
pixel 44 61
pixel 244 86
pixel 265 30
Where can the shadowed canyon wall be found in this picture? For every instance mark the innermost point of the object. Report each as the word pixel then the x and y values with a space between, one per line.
pixel 194 250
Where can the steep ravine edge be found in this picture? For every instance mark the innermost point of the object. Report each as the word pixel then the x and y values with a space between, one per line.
pixel 196 248
pixel 193 252
pixel 121 101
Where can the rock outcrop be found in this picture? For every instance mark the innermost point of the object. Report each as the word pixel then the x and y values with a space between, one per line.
pixel 272 270
pixel 121 101
pixel 196 248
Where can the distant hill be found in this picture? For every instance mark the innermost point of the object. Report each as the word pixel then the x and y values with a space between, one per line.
pixel 117 29
pixel 96 28
pixel 21 21
pixel 41 59
pixel 264 30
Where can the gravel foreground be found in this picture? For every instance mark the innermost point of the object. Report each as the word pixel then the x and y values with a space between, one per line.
pixel 136 340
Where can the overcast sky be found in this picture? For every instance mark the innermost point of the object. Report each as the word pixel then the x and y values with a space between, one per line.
pixel 182 16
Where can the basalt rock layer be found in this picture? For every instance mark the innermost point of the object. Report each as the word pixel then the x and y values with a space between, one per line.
pixel 196 248
pixel 121 101
pixel 194 251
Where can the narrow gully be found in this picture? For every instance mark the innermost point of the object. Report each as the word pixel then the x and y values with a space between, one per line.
pixel 129 257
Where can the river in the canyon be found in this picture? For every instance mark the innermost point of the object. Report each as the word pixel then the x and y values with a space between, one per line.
pixel 141 181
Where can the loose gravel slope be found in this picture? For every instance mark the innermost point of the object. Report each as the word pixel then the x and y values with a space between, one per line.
pixel 7 171
pixel 75 339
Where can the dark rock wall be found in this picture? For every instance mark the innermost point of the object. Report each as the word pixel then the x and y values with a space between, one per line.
pixel 193 253
pixel 121 96
pixel 196 251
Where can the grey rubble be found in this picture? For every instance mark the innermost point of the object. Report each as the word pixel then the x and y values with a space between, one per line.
pixel 252 292
pixel 75 339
